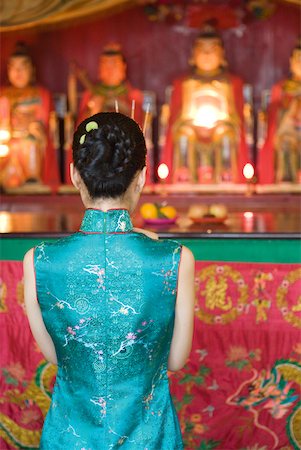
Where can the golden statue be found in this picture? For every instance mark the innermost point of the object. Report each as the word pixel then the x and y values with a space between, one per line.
pixel 280 155
pixel 27 154
pixel 205 140
pixel 111 92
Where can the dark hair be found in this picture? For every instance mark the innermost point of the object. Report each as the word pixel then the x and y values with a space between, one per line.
pixel 108 157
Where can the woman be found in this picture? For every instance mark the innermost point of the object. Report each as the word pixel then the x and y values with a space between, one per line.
pixel 111 305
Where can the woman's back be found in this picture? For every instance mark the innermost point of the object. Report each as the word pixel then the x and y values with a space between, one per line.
pixel 107 297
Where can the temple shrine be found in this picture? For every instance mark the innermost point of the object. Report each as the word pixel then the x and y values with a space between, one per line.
pixel 216 89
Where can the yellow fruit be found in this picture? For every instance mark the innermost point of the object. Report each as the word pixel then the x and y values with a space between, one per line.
pixel 169 211
pixel 198 211
pixel 218 210
pixel 149 211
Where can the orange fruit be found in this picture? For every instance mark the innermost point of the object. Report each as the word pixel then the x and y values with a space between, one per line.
pixel 169 211
pixel 149 211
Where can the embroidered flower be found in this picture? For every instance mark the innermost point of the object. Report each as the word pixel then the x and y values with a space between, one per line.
pixel 195 417
pixel 16 371
pixel 240 308
pixel 241 282
pixel 218 319
pixel 237 353
pixel 297 348
pixel 131 336
pixel 124 311
pixel 71 331
pixel 199 428
pixel 30 416
pixel 284 310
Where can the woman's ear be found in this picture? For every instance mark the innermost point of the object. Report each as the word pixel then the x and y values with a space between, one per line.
pixel 141 179
pixel 75 177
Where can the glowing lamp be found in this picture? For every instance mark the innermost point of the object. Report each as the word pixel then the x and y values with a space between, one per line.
pixel 4 150
pixel 163 171
pixel 248 171
pixel 5 222
pixel 248 222
pixel 206 116
pixel 4 135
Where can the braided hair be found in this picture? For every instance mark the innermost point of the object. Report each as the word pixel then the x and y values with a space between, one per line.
pixel 108 156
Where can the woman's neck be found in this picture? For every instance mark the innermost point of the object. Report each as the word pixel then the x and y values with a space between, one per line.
pixel 106 204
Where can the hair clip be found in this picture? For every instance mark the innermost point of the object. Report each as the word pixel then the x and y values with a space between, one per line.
pixel 89 127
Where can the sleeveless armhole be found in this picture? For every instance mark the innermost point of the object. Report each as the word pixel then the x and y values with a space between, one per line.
pixel 178 274
pixel 35 273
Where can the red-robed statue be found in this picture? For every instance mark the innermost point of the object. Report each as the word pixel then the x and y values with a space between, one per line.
pixel 205 140
pixel 25 110
pixel 111 92
pixel 279 158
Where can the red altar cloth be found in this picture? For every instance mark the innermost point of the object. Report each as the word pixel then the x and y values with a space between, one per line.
pixel 240 388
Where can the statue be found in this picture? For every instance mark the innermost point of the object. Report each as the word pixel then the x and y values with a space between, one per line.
pixel 205 141
pixel 111 92
pixel 25 115
pixel 279 157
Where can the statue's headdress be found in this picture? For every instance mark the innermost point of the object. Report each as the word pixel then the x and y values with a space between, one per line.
pixel 209 31
pixel 112 49
pixel 21 49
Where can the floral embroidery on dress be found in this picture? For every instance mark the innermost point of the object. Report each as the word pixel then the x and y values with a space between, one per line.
pixel 110 314
pixel 99 272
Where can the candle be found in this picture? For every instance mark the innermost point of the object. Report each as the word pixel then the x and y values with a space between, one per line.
pixel 4 150
pixel 4 135
pixel 163 171
pixel 248 173
pixel 248 222
pixel 133 110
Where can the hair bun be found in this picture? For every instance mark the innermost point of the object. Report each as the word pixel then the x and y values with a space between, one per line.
pixel 112 153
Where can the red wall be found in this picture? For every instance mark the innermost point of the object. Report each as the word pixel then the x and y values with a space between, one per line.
pixel 158 52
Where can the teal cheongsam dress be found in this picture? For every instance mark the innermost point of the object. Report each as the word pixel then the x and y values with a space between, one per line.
pixel 107 296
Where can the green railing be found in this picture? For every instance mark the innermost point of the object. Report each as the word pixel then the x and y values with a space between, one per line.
pixel 210 249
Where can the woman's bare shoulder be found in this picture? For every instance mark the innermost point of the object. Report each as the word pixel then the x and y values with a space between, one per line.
pixel 148 233
pixel 28 257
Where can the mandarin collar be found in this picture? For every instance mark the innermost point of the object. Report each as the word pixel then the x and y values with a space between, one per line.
pixel 111 221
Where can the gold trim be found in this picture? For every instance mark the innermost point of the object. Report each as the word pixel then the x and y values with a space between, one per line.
pixel 70 10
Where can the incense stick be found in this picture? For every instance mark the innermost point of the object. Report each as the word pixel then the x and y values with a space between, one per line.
pixel 116 106
pixel 146 118
pixel 133 110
